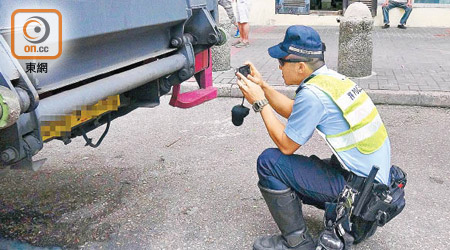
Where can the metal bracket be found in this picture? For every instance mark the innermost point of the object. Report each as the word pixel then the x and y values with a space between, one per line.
pixel 203 29
pixel 25 82
pixel 187 50
pixel 200 33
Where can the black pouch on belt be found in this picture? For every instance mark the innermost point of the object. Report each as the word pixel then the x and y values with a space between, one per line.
pixel 386 202
pixel 383 204
pixel 397 192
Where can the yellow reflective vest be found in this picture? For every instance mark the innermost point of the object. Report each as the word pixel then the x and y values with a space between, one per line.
pixel 367 132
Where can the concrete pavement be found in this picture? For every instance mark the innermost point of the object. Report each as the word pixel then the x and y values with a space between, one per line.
pixel 410 67
pixel 170 178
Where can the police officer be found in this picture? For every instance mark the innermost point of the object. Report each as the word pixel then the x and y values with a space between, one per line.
pixel 325 101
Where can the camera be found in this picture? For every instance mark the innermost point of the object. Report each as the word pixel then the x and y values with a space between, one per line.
pixel 239 112
pixel 244 70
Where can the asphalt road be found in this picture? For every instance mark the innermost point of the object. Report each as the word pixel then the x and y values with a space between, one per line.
pixel 167 178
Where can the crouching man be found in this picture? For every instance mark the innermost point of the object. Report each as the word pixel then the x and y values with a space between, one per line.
pixel 340 111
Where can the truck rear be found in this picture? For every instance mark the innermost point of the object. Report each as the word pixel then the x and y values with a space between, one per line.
pixel 112 57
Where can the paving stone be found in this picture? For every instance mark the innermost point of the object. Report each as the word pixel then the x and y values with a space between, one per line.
pixel 411 57
pixel 414 87
pixel 437 78
pixel 374 86
pixel 364 85
pixel 444 86
pixel 403 87
pixel 429 88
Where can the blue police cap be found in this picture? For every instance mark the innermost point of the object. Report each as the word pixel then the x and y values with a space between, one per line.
pixel 299 40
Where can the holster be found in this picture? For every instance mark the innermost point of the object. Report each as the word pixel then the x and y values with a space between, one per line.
pixel 361 207
pixel 386 202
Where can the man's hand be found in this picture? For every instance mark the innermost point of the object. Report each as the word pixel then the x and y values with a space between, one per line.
pixel 409 4
pixel 255 76
pixel 385 3
pixel 252 91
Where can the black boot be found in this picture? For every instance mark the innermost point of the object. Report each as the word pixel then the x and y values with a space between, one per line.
pixel 286 210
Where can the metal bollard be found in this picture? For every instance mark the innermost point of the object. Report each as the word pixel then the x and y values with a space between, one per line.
pixel 221 55
pixel 355 41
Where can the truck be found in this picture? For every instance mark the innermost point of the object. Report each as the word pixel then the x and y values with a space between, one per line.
pixel 111 58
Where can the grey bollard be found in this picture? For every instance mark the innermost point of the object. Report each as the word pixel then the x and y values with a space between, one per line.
pixel 221 55
pixel 355 41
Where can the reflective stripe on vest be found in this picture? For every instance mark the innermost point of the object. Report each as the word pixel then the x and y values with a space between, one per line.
pixel 367 132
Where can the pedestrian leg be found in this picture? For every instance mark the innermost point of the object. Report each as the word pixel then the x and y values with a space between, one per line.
pixel 386 12
pixel 406 14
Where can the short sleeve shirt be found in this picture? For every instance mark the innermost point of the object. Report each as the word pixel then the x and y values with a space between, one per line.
pixel 313 109
pixel 307 113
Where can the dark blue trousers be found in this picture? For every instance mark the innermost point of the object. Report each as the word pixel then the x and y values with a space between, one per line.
pixel 316 181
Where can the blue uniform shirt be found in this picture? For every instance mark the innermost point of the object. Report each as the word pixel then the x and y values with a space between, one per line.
pixel 314 109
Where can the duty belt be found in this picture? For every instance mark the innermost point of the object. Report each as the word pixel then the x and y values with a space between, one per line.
pixel 355 181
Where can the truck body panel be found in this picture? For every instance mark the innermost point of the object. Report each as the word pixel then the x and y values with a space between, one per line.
pixel 125 53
